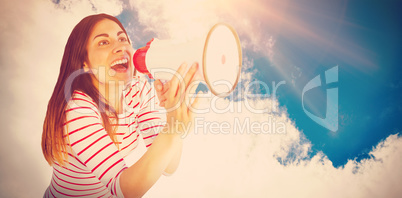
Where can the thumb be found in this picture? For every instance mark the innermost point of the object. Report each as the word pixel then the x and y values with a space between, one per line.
pixel 158 85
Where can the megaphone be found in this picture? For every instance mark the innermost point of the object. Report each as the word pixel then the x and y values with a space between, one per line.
pixel 219 55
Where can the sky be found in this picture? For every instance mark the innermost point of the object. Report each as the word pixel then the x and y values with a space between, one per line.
pixel 341 138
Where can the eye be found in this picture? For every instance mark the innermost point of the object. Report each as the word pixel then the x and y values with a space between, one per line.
pixel 122 39
pixel 103 42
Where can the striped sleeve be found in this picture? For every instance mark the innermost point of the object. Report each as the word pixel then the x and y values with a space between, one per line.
pixel 150 119
pixel 91 143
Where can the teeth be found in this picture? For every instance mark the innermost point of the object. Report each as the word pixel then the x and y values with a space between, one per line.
pixel 122 61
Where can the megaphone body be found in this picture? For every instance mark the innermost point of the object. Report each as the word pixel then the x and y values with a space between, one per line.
pixel 219 54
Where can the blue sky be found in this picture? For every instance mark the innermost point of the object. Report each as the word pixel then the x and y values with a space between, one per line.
pixel 369 84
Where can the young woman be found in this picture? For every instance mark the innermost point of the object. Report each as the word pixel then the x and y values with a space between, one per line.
pixel 98 111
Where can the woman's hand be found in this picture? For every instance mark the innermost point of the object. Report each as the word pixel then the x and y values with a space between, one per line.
pixel 173 94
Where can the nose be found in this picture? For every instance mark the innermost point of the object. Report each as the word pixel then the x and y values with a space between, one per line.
pixel 119 48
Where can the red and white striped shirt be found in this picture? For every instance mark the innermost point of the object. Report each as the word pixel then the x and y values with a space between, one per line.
pixel 95 163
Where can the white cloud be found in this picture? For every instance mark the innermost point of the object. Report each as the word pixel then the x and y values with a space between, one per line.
pixel 175 19
pixel 213 165
pixel 247 165
pixel 185 20
pixel 91 6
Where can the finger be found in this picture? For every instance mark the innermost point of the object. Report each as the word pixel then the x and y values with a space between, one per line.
pixel 185 102
pixel 194 106
pixel 158 85
pixel 165 88
pixel 195 81
pixel 190 74
pixel 174 82
pixel 183 86
pixel 198 75
pixel 161 89
pixel 158 88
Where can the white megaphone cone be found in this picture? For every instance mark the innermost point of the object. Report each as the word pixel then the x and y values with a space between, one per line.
pixel 219 55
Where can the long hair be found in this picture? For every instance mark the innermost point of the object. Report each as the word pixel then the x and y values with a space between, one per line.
pixel 75 53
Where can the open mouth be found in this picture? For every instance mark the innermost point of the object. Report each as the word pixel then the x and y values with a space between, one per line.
pixel 120 65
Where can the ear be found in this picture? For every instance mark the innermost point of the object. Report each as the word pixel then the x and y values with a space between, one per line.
pixel 85 66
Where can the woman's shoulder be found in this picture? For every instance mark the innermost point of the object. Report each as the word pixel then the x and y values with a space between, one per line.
pixel 81 101
pixel 78 95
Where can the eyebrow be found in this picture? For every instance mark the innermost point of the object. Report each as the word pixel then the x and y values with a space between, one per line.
pixel 120 32
pixel 107 35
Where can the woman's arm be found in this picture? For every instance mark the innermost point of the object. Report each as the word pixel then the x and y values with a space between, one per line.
pixel 161 89
pixel 136 180
pixel 164 154
pixel 174 164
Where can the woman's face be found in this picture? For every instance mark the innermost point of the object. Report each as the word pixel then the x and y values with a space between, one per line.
pixel 109 54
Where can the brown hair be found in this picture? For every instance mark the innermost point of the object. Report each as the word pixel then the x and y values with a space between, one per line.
pixel 75 53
